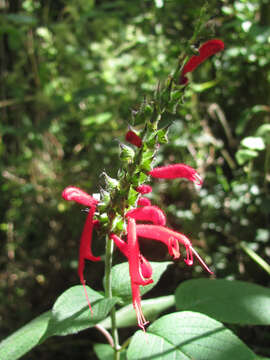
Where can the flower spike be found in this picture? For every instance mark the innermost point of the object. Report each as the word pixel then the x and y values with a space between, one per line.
pixel 148 213
pixel 207 49
pixel 72 193
pixel 176 171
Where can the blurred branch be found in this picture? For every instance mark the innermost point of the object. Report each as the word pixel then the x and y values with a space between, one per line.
pixel 216 113
pixel 255 257
pixel 11 102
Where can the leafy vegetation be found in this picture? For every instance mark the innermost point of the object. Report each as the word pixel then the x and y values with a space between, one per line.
pixel 74 74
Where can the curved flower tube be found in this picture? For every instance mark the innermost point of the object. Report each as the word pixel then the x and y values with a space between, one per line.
pixel 176 171
pixel 148 213
pixel 164 234
pixel 72 193
pixel 207 49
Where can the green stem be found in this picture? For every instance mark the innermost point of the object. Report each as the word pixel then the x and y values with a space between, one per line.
pixel 108 294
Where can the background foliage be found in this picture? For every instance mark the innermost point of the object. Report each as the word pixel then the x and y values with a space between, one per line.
pixel 72 72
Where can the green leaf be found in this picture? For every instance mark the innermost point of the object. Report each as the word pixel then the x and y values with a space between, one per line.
pixel 203 86
pixel 106 352
pixel 126 153
pixel 71 314
pixel 147 157
pixel 244 155
pixel 151 309
pixel 132 196
pixel 234 302
pixel 98 119
pixel 121 281
pixel 253 143
pixel 264 132
pixel 187 335
pixel 21 19
pixel 24 339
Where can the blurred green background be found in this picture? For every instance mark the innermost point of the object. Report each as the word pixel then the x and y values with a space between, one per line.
pixel 72 71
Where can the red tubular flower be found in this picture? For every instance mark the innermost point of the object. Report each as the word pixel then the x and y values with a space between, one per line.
pixel 136 275
pixel 144 189
pixel 145 267
pixel 207 49
pixel 72 193
pixel 85 249
pixel 143 201
pixel 164 234
pixel 133 138
pixel 176 171
pixel 148 213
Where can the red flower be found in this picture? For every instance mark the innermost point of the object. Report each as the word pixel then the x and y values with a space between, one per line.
pixel 157 232
pixel 207 49
pixel 145 267
pixel 136 276
pixel 144 189
pixel 143 201
pixel 72 193
pixel 148 213
pixel 176 171
pixel 168 237
pixel 134 255
pixel 133 138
